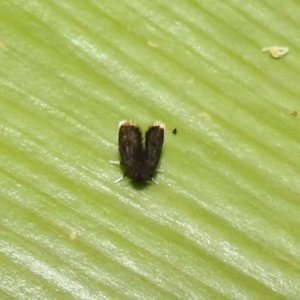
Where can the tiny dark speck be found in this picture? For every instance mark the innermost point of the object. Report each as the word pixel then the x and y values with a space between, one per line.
pixel 174 131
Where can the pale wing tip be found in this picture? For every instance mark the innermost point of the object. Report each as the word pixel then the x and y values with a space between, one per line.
pixel 159 124
pixel 125 122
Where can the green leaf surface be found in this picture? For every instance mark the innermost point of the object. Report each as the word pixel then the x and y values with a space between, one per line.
pixel 223 222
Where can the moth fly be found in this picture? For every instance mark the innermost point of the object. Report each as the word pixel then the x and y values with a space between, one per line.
pixel 139 160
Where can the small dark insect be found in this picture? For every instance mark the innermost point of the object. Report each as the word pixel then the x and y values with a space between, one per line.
pixel 140 161
pixel 174 131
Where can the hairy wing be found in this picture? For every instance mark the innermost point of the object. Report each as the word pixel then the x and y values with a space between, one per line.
pixel 130 144
pixel 153 145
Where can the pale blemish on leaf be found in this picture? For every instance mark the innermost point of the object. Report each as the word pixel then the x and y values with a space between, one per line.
pixel 276 51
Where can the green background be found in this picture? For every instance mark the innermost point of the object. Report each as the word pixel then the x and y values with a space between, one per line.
pixel 223 222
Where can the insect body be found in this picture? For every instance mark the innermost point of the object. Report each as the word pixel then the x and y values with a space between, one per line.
pixel 140 161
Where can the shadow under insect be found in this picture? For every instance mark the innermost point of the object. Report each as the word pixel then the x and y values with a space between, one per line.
pixel 139 161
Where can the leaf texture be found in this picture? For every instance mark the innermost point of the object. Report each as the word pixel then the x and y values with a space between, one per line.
pixel 223 222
